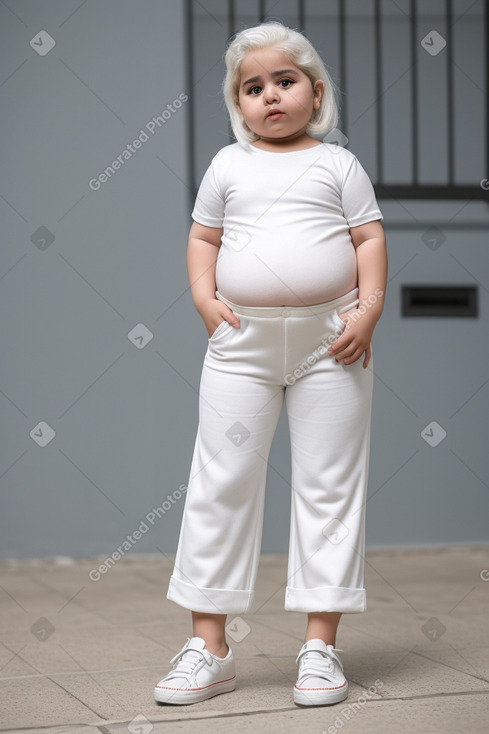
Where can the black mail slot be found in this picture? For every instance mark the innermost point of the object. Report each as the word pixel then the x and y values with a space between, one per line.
pixel 439 300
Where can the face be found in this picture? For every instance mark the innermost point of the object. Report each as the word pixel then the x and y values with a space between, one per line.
pixel 269 81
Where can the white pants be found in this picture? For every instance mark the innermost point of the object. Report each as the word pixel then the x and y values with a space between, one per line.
pixel 277 351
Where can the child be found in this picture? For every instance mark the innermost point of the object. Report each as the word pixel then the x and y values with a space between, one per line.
pixel 287 266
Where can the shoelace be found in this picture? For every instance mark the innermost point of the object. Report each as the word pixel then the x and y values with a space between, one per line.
pixel 315 663
pixel 189 661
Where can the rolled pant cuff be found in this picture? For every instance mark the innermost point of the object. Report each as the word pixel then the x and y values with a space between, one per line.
pixel 325 599
pixel 212 601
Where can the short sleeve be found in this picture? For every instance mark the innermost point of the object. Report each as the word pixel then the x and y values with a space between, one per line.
pixel 209 203
pixel 358 196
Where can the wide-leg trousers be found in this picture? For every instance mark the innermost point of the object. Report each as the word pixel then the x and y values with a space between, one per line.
pixel 276 353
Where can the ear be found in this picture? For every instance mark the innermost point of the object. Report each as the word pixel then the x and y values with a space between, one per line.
pixel 318 90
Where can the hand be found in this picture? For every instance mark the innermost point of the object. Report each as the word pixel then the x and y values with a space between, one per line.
pixel 213 312
pixel 356 338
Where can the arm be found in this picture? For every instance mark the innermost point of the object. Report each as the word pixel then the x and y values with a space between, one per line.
pixel 202 252
pixel 370 247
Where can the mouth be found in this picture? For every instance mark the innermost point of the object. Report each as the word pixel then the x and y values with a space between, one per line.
pixel 274 115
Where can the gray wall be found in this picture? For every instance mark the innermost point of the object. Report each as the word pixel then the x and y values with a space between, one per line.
pixel 125 412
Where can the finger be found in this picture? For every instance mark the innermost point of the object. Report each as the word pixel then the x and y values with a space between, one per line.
pixel 357 354
pixel 233 319
pixel 353 358
pixel 338 345
pixel 350 358
pixel 347 350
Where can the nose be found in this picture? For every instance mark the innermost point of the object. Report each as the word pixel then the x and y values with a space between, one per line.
pixel 270 93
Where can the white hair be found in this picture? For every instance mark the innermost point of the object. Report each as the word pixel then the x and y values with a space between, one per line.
pixel 301 53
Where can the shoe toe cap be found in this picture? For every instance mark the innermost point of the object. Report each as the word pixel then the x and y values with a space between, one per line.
pixel 320 684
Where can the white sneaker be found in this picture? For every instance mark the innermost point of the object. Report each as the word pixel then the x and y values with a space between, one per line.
pixel 196 675
pixel 321 680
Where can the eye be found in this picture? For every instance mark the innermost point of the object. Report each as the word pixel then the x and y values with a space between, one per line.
pixel 250 91
pixel 287 81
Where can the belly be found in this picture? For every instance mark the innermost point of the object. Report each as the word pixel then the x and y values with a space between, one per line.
pixel 291 276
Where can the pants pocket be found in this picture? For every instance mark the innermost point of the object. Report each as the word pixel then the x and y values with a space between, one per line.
pixel 221 329
pixel 340 324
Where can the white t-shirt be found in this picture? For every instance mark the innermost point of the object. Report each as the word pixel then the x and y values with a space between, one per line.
pixel 285 218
